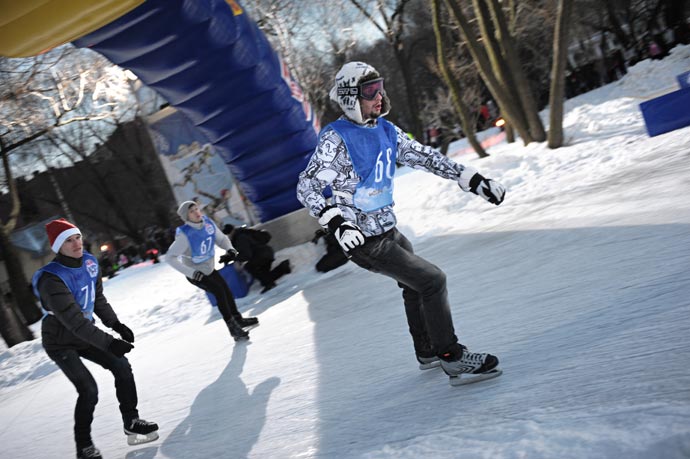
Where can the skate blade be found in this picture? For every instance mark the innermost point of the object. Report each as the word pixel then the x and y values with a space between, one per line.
pixel 429 366
pixel 139 439
pixel 469 378
pixel 250 327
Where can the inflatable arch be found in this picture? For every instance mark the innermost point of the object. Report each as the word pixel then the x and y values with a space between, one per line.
pixel 208 60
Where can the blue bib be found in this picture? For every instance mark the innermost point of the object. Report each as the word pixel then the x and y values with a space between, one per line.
pixel 80 281
pixel 201 241
pixel 373 152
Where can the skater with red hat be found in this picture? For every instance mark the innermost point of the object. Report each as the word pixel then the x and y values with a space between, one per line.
pixel 71 293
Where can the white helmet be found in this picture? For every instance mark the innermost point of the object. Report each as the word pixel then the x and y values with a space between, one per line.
pixel 349 76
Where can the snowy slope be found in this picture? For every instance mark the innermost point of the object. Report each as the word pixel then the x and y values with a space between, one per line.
pixel 579 282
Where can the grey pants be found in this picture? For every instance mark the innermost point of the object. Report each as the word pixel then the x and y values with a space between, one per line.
pixel 423 289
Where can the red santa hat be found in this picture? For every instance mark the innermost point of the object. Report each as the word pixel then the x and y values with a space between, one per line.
pixel 59 230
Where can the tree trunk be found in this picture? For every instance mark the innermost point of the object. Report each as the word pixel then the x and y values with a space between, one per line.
pixel 460 108
pixel 524 91
pixel 556 92
pixel 510 133
pixel 509 107
pixel 12 329
pixel 19 285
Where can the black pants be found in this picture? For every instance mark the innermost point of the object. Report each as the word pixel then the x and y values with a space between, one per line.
pixel 69 361
pixel 423 288
pixel 216 285
pixel 259 265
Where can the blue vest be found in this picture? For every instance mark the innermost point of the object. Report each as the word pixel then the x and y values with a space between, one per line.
pixel 373 152
pixel 80 281
pixel 202 241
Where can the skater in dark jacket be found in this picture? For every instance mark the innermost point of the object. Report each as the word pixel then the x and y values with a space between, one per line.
pixel 70 290
pixel 257 255
pixel 334 257
pixel 193 254
pixel 356 156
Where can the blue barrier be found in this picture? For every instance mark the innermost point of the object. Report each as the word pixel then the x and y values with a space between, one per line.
pixel 667 113
pixel 684 79
pixel 239 282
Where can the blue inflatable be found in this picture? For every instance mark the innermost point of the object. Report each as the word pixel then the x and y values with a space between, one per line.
pixel 211 62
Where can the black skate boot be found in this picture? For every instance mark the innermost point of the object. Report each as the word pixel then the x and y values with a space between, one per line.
pixel 139 431
pixel 424 351
pixel 458 362
pixel 247 323
pixel 427 362
pixel 88 452
pixel 236 330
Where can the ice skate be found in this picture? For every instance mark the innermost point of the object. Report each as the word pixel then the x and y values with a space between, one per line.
pixel 237 332
pixel 139 431
pixel 89 452
pixel 247 323
pixel 464 367
pixel 428 362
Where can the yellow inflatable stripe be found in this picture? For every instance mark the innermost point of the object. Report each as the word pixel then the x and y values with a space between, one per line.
pixel 39 25
pixel 12 10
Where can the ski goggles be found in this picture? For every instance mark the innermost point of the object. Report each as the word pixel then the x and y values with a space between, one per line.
pixel 367 90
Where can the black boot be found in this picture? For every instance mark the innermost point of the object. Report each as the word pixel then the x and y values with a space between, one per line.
pixel 282 269
pixel 236 330
pixel 247 322
pixel 89 452
pixel 267 286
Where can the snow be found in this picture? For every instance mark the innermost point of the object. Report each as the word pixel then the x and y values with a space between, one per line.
pixel 579 282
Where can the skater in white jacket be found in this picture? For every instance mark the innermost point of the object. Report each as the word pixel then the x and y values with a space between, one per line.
pixel 193 254
pixel 356 156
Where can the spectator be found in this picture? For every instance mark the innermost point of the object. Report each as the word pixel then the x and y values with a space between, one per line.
pixel 257 256
pixel 334 256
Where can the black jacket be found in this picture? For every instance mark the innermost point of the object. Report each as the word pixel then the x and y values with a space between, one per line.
pixel 251 244
pixel 66 327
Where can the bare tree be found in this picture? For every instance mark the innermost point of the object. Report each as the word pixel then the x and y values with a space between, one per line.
pixel 557 92
pixel 39 96
pixel 307 39
pixel 392 26
pixel 453 84
pixel 498 63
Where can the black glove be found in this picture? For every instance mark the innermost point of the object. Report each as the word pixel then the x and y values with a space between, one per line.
pixel 230 255
pixel 119 348
pixel 124 332
pixel 318 235
pixel 198 276
pixel 347 234
pixel 488 189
